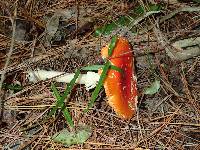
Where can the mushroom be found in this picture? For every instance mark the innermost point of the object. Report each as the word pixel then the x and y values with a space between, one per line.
pixel 120 87
pixel 90 79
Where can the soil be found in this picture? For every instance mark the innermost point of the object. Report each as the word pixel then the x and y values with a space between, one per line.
pixel 167 119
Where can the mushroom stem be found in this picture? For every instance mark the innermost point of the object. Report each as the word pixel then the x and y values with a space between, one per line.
pixel 90 79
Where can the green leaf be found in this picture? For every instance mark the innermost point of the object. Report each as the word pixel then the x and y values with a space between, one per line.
pixel 55 91
pixel 154 87
pixel 139 10
pixel 112 45
pixel 125 21
pixel 61 104
pixel 197 1
pixel 151 7
pixel 99 85
pixel 97 67
pixel 14 87
pixel 110 27
pixel 105 30
pixel 154 7
pixel 116 68
pixel 70 138
pixel 92 67
pixel 68 116
pixel 60 100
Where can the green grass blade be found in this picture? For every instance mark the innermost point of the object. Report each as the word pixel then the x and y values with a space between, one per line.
pixel 70 85
pixel 67 116
pixel 58 98
pixel 66 93
pixel 14 87
pixel 65 111
pixel 92 67
pixel 107 29
pixel 55 91
pixel 99 86
pixel 116 68
pixel 97 67
pixel 112 45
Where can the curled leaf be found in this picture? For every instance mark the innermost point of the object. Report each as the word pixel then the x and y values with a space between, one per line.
pixel 153 88
pixel 53 24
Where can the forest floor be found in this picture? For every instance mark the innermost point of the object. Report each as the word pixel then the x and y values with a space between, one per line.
pixel 66 35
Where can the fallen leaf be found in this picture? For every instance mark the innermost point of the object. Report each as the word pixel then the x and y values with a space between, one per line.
pixel 70 138
pixel 154 87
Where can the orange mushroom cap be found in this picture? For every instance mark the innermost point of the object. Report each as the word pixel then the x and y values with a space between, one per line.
pixel 120 87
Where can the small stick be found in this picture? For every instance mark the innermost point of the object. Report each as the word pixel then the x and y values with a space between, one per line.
pixel 6 64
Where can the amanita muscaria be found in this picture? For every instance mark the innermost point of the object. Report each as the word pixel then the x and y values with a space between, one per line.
pixel 120 87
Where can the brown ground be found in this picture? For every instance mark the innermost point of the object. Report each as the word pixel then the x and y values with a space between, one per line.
pixel 169 119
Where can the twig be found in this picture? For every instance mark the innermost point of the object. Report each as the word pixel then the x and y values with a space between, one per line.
pixel 11 48
pixel 183 9
pixel 188 93
pixel 28 62
pixel 139 126
pixel 162 101
pixel 135 22
pixel 177 123
pixel 160 129
pixel 163 41
pixel 7 61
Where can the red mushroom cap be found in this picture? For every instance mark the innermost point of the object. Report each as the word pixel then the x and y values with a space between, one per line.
pixel 120 87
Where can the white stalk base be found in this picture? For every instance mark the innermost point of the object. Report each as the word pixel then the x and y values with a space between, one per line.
pixel 90 79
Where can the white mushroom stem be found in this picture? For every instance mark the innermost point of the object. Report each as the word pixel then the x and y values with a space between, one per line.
pixel 90 79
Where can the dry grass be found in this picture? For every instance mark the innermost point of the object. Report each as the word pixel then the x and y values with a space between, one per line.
pixel 169 119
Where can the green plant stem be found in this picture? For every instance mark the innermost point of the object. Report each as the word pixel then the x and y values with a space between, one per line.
pixel 60 100
pixel 99 85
